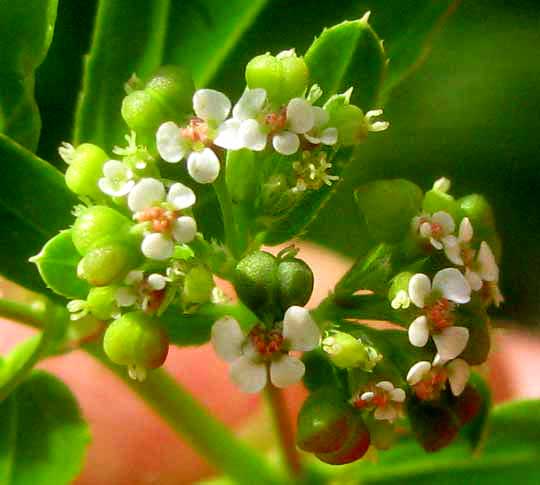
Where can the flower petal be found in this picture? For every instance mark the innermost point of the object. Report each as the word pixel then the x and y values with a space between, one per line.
pixel 248 375
pixel 250 104
pixel 489 271
pixel 115 189
pixel 458 375
pixel 385 386
pixel 125 296
pixel 367 396
pixel 170 144
pixel 286 370
pixel 184 229
pixel 320 116
pixel 451 341
pixel 398 395
pixel 419 331
pixel 134 277
pixel 286 142
pixel 252 135
pixel 157 246
pixel 386 413
pixel 210 104
pixel 444 220
pixel 466 231
pixel 417 372
pixel 474 280
pixel 157 281
pixel 228 135
pixel 145 194
pixel 227 339
pixel 299 329
pixel 181 196
pixel 329 136
pixel 203 166
pixel 419 288
pixel 453 285
pixel 300 116
pixel 452 249
pixel 115 169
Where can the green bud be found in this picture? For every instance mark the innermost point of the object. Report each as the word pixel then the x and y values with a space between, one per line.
pixel 99 225
pixel 256 283
pixel 172 87
pixel 282 77
pixel 295 280
pixel 142 113
pixel 198 285
pixel 107 264
pixel 346 351
pixel 436 200
pixel 347 118
pixel 85 169
pixel 388 207
pixel 101 302
pixel 136 340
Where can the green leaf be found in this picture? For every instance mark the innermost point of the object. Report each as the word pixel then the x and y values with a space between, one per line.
pixel 345 55
pixel 34 205
pixel 57 264
pixel 26 30
pixel 44 437
pixel 409 50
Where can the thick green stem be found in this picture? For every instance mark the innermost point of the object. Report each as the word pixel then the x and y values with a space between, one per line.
pixel 225 202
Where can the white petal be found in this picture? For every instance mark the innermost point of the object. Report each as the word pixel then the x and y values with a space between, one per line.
pixel 145 194
pixel 489 271
pixel 184 229
pixel 417 372
pixel 445 220
pixel 157 246
pixel 320 116
pixel 286 370
pixel 452 249
pixel 451 341
pixel 228 135
pixel 438 361
pixel 157 281
pixel 425 229
pixel 300 116
pixel 386 413
pixel 115 169
pixel 465 230
pixel 248 375
pixel 385 386
pixel 453 285
pixel 419 331
pixel 109 187
pixel 252 136
pixel 458 375
pixel 125 296
pixel 419 288
pixel 203 166
pixel 329 136
pixel 473 279
pixel 133 277
pixel 367 396
pixel 397 395
pixel 300 330
pixel 209 104
pixel 181 196
pixel 436 243
pixel 227 339
pixel 170 145
pixel 315 140
pixel 250 104
pixel 286 142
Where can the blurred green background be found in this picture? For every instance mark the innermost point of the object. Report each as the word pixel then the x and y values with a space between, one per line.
pixel 471 112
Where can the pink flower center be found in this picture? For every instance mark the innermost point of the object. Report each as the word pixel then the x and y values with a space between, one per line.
pixel 161 219
pixel 266 342
pixel 440 314
pixel 276 121
pixel 430 387
pixel 380 399
pixel 437 230
pixel 196 131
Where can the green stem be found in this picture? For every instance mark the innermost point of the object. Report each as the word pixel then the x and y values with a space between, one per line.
pixel 225 202
pixel 32 315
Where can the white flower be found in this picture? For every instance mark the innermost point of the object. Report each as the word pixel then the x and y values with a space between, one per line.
pixel 373 125
pixel 428 380
pixel 436 228
pixel 321 133
pixel 457 248
pixel 193 141
pixel 118 180
pixel 437 302
pixel 384 398
pixel 251 356
pixel 149 203
pixel 141 291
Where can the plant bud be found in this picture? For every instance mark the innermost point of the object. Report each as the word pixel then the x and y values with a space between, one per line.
pixel 479 212
pixel 136 339
pixel 85 169
pixel 436 200
pixel 346 351
pixel 142 113
pixel 295 280
pixel 256 283
pixel 388 207
pixel 173 88
pixel 101 302
pixel 198 285
pixel 98 225
pixel 348 119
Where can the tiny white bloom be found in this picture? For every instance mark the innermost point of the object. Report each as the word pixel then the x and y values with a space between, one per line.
pixel 457 248
pixel 437 228
pixel 383 398
pixel 437 302
pixel 251 356
pixel 118 179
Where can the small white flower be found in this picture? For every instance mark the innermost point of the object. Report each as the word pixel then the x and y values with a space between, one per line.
pixel 251 356
pixel 163 213
pixel 385 399
pixel 118 179
pixel 374 125
pixel 436 228
pixel 429 379
pixel 321 133
pixel 193 141
pixel 437 302
pixel 141 291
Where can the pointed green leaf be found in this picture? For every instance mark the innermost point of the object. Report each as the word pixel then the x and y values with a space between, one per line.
pixel 44 437
pixel 34 205
pixel 345 55
pixel 26 30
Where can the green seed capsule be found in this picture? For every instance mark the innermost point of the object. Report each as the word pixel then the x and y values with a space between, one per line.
pixel 85 169
pixel 173 88
pixel 295 280
pixel 101 302
pixel 350 123
pixel 198 285
pixel 107 264
pixel 98 225
pixel 136 339
pixel 142 113
pixel 346 351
